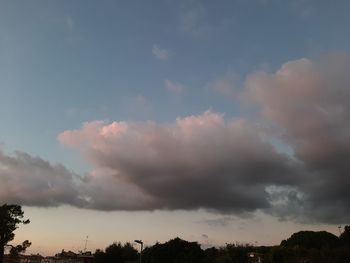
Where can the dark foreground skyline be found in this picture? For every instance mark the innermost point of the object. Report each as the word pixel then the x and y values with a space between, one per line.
pixel 303 246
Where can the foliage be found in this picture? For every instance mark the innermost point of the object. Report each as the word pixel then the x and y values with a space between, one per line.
pixel 345 237
pixel 174 251
pixel 311 239
pixel 181 251
pixel 117 253
pixel 238 253
pixel 10 217
pixel 16 250
pixel 304 246
pixel 209 254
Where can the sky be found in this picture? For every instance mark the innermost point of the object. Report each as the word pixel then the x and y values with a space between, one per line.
pixel 215 121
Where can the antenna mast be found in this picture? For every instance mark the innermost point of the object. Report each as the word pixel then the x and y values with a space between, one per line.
pixel 86 241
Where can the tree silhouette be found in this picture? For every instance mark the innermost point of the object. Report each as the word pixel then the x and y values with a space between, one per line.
pixel 345 236
pixel 10 217
pixel 311 239
pixel 174 251
pixel 117 253
pixel 16 250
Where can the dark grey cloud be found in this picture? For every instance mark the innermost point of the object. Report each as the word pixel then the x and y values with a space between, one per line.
pixel 32 181
pixel 309 103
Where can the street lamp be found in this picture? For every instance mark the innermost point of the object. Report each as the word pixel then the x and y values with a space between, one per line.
pixel 141 243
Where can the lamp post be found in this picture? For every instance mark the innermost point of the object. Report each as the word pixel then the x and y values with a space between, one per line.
pixel 141 243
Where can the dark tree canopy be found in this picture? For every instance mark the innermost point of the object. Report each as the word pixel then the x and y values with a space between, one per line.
pixel 311 239
pixel 345 236
pixel 117 253
pixel 303 246
pixel 175 250
pixel 11 216
pixel 16 250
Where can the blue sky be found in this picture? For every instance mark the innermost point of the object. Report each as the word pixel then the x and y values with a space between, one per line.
pixel 68 62
pixel 63 63
pixel 90 59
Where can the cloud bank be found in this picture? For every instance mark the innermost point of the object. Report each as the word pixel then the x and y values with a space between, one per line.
pixel 208 161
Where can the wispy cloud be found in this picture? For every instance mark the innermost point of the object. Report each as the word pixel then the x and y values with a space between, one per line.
pixel 70 23
pixel 227 85
pixel 140 106
pixel 174 87
pixel 191 18
pixel 195 20
pixel 72 35
pixel 160 53
pixel 219 221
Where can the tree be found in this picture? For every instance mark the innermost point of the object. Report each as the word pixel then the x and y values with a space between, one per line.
pixel 238 252
pixel 16 250
pixel 345 236
pixel 311 239
pixel 116 252
pixel 174 251
pixel 10 217
pixel 277 255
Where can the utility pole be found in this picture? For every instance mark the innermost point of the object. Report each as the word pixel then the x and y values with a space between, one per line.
pixel 141 243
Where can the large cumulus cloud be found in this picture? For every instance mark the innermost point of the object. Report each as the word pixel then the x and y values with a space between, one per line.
pixel 197 162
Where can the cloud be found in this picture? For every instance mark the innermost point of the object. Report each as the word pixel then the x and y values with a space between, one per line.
pixel 189 20
pixel 141 103
pixel 174 87
pixel 197 162
pixel 225 85
pixel 205 161
pixel 31 180
pixel 159 53
pixel 309 103
pixel 138 107
pixel 197 20
pixel 104 190
pixel 193 19
pixel 70 24
pixel 230 166
pixel 71 32
pixel 219 222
